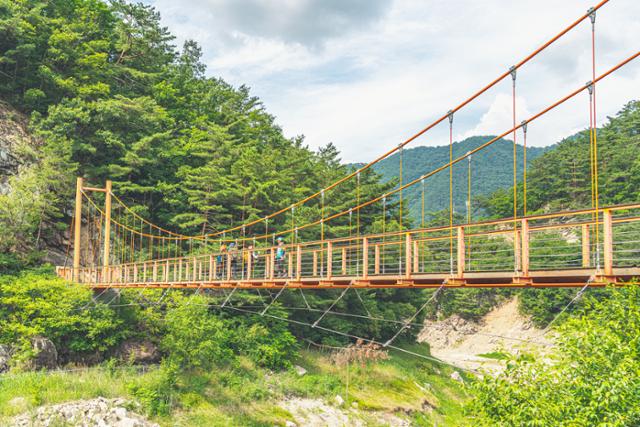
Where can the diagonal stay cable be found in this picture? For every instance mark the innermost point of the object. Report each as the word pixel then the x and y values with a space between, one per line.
pixel 566 307
pixel 305 299
pixel 418 311
pixel 330 307
pixel 352 336
pixel 362 302
pixel 274 299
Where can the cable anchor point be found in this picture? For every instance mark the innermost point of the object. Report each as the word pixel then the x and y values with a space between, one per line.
pixel 513 70
pixel 450 115
pixel 524 124
pixel 589 86
pixel 592 15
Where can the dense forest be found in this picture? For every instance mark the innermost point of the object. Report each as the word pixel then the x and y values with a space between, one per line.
pixel 98 89
pixel 486 178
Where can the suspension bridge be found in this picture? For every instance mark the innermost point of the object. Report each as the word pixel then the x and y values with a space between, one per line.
pixel 114 247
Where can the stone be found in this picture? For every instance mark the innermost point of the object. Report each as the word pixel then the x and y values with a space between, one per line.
pixel 46 355
pixel 354 405
pixel 5 357
pixel 138 351
pixel 99 412
pixel 455 375
pixel 300 370
pixel 290 424
pixel 339 400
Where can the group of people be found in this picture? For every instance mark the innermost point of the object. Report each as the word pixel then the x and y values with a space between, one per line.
pixel 248 256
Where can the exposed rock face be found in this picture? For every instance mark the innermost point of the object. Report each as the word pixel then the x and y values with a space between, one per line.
pixel 46 353
pixel 13 132
pixel 5 357
pixel 446 332
pixel 138 352
pixel 96 412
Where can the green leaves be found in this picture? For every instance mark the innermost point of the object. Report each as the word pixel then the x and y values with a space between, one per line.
pixel 593 377
pixel 35 304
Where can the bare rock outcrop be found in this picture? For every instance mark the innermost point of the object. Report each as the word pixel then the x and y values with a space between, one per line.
pixel 46 354
pixel 98 412
pixel 138 351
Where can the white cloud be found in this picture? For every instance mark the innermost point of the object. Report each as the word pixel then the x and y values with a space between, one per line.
pixel 366 75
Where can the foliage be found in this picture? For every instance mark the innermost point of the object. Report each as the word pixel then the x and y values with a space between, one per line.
pixel 194 338
pixel 560 178
pixel 247 395
pixel 592 379
pixel 486 178
pixel 33 304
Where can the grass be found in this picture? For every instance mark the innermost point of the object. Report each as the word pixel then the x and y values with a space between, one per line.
pixel 411 388
pixel 496 355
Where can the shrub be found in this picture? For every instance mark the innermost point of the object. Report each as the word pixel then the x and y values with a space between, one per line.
pixel 195 338
pixel 36 303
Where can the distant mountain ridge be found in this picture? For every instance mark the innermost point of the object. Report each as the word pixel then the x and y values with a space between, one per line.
pixel 491 170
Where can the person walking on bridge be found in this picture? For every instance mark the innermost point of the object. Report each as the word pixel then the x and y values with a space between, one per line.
pixel 233 258
pixel 281 254
pixel 221 260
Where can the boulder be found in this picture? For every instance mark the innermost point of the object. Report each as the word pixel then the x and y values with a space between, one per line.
pixel 138 351
pixel 455 375
pixel 300 370
pixel 339 400
pixel 5 357
pixel 46 355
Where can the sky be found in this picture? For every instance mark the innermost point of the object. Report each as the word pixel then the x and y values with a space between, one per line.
pixel 367 74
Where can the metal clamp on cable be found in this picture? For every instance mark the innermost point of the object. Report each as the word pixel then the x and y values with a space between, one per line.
pixel 513 71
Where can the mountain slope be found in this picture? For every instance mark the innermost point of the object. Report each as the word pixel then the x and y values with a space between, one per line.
pixel 491 170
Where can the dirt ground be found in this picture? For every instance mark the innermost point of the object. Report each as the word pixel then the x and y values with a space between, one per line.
pixel 461 342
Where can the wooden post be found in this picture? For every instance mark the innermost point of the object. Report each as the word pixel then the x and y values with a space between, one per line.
pixel 376 259
pixel 524 256
pixel 365 257
pixel 299 262
pixel 344 261
pixel 329 260
pixel 315 263
pixel 416 257
pixel 461 252
pixel 290 265
pixel 212 268
pixel 195 269
pixel 228 266
pixel 586 246
pixel 517 250
pixel 407 254
pixel 155 271
pixel 249 264
pixel 107 232
pixel 271 263
pixel 608 242
pixel 77 229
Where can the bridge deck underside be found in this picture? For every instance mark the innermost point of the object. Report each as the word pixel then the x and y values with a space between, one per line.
pixel 538 279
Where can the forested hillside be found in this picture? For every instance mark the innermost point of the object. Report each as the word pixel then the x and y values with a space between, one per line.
pixel 486 178
pixel 110 97
pixel 561 179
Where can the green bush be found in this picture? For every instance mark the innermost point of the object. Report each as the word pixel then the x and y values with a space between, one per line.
pixel 156 393
pixel 271 347
pixel 194 337
pixel 592 379
pixel 35 303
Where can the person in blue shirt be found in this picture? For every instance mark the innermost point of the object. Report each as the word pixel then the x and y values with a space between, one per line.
pixel 281 254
